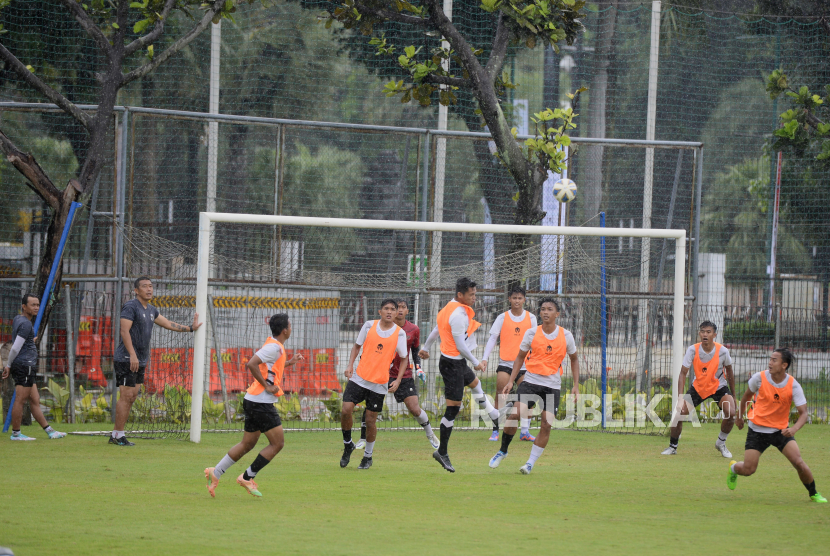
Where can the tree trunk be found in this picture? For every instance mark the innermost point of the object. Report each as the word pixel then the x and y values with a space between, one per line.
pixel 592 155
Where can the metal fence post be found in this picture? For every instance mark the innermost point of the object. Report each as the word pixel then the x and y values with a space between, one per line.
pixel 70 350
pixel 119 247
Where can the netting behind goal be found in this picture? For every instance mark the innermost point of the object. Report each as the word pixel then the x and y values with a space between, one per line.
pixel 331 280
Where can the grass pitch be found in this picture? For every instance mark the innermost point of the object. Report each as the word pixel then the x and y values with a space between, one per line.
pixel 590 493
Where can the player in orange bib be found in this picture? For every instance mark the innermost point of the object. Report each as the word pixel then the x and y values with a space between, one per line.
pixel 261 417
pixel 713 379
pixel 509 330
pixel 542 351
pixel 774 393
pixel 456 327
pixel 380 340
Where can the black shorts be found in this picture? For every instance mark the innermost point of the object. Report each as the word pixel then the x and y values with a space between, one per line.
pixel 355 393
pixel 762 440
pixel 697 400
pixel 456 375
pixel 407 388
pixel 260 417
pixel 125 377
pixel 528 395
pixel 23 375
pixel 509 371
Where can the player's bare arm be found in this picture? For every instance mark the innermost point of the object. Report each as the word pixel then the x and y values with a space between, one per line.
pixel 253 367
pixel 575 373
pixel 352 358
pixel 176 327
pixel 747 397
pixel 294 360
pixel 730 378
pixel 802 420
pixel 517 366
pixel 397 382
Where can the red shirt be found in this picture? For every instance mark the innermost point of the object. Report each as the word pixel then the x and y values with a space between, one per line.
pixel 413 340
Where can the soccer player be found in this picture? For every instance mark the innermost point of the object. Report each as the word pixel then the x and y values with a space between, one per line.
pixel 407 392
pixel 22 365
pixel 508 330
pixel 261 417
pixel 130 358
pixel 381 340
pixel 713 379
pixel 769 421
pixel 456 328
pixel 542 351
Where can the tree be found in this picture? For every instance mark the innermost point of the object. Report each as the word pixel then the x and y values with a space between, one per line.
pixel 429 76
pixel 122 32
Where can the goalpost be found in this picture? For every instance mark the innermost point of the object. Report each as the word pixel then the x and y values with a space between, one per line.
pixel 582 254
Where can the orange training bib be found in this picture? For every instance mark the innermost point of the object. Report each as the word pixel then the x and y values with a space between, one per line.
pixel 510 337
pixel 772 404
pixel 274 374
pixel 378 354
pixel 545 357
pixel 448 346
pixel 706 380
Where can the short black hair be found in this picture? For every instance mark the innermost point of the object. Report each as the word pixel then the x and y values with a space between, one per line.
pixel 389 301
pixel 463 285
pixel 549 300
pixel 708 324
pixel 786 356
pixel 278 323
pixel 26 297
pixel 139 280
pixel 401 301
pixel 517 289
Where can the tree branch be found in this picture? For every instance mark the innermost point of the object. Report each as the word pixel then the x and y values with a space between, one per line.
pixel 36 83
pixel 825 24
pixel 159 59
pixel 37 180
pixel 446 80
pixel 812 119
pixel 150 37
pixel 381 13
pixel 499 51
pixel 88 25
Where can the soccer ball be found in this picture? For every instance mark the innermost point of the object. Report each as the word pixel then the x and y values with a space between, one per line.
pixel 564 190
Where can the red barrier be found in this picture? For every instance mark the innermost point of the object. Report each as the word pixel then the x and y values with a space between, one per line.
pixel 168 366
pixel 6 330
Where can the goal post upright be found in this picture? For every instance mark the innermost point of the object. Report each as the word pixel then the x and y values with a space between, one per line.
pixel 203 270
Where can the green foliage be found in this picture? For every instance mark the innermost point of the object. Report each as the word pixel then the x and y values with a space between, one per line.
pixel 803 127
pixel 289 407
pixel 551 128
pixel 211 411
pixel 749 332
pixel 177 402
pixel 60 397
pixel 733 227
pixel 91 410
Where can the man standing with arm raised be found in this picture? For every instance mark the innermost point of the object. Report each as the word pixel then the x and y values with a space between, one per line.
pixel 456 327
pixel 133 351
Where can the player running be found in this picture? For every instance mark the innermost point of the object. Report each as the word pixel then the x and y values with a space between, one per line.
pixel 381 341
pixel 542 350
pixel 407 392
pixel 130 358
pixel 713 379
pixel 261 417
pixel 456 328
pixel 508 330
pixel 22 365
pixel 769 421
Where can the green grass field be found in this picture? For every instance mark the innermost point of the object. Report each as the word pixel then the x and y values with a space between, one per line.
pixel 590 493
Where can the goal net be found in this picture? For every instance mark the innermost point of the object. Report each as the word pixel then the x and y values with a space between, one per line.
pixel 330 275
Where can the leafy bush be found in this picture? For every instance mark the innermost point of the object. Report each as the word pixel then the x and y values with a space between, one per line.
pixel 749 332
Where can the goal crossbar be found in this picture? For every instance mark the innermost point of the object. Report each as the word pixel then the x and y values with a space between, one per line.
pixel 206 219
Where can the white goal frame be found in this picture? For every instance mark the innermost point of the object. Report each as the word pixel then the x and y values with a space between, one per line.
pixel 206 219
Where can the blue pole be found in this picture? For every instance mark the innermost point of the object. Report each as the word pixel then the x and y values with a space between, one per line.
pixel 602 312
pixel 48 290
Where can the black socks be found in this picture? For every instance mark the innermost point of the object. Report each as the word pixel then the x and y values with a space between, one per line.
pixel 811 488
pixel 506 439
pixel 347 436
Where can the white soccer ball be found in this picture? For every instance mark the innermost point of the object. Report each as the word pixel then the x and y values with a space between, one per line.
pixel 564 190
